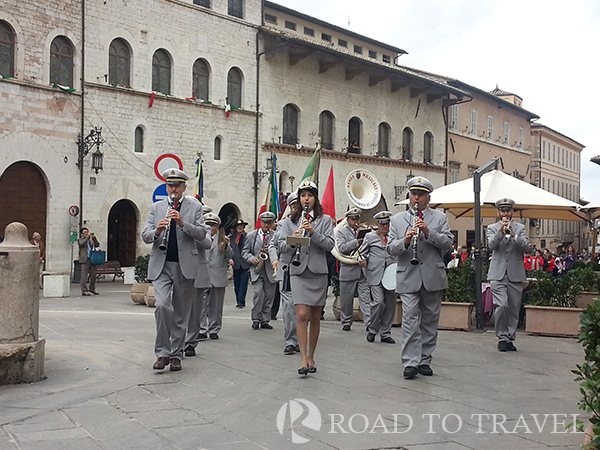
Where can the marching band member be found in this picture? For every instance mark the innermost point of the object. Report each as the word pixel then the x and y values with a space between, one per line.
pixel 281 256
pixel 256 253
pixel 241 268
pixel 507 241
pixel 420 285
pixel 172 271
pixel 309 278
pixel 352 276
pixel 376 259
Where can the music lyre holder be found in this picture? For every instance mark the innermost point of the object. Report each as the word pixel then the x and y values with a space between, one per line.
pixel 297 241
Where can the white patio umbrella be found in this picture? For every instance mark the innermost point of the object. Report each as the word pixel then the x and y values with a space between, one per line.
pixel 593 209
pixel 530 201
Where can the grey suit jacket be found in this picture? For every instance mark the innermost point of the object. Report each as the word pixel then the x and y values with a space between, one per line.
pixel 374 251
pixel 193 230
pixel 252 248
pixel 239 263
pixel 346 242
pixel 278 251
pixel 507 254
pixel 202 279
pixel 321 241
pixel 217 263
pixel 83 247
pixel 430 272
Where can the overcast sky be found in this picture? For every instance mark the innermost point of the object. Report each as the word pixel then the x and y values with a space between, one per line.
pixel 544 51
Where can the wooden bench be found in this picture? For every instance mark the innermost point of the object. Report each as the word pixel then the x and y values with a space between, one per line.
pixel 110 268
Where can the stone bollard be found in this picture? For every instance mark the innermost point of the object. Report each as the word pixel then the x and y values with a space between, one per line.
pixel 21 350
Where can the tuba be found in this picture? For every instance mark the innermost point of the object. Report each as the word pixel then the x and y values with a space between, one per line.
pixel 364 191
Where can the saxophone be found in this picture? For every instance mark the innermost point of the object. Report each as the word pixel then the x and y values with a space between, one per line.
pixel 264 253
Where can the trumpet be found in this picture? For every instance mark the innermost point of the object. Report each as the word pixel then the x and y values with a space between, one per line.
pixel 296 256
pixel 415 237
pixel 165 240
pixel 507 229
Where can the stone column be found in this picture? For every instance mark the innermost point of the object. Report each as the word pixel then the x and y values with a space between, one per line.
pixel 21 350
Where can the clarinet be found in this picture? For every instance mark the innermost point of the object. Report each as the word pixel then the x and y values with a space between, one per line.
pixel 296 255
pixel 165 240
pixel 415 237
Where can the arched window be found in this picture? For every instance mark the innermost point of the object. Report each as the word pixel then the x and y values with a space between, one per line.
pixel 118 62
pixel 234 87
pixel 383 140
pixel 290 124
pixel 428 147
pixel 139 140
pixel 326 120
pixel 7 50
pixel 61 61
pixel 235 8
pixel 217 149
pixel 407 140
pixel 161 71
pixel 354 135
pixel 200 77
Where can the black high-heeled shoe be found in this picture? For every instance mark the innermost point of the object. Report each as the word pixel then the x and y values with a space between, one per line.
pixel 303 371
pixel 312 369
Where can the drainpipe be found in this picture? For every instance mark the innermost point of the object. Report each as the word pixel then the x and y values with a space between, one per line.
pixel 82 108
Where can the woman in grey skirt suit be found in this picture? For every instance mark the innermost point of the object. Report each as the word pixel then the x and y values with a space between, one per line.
pixel 309 279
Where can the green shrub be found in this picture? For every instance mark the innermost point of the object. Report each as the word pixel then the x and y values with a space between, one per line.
pixel 561 292
pixel 141 268
pixel 461 284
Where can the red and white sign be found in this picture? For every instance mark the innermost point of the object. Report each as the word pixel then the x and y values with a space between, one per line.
pixel 164 162
pixel 73 211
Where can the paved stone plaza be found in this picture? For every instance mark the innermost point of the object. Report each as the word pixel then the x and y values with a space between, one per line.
pixel 101 391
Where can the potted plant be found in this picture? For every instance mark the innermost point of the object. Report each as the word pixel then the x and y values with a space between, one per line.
pixel 458 303
pixel 588 373
pixel 552 308
pixel 589 283
pixel 141 285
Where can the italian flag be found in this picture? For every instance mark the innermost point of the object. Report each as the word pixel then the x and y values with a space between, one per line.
pixel 62 87
pixel 229 108
pixel 328 200
pixel 199 191
pixel 271 202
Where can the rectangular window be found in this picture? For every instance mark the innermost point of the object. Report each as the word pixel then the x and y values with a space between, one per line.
pixel 358 49
pixel 205 3
pixel 543 183
pixel 372 54
pixel 563 157
pixel 554 186
pixel 473 121
pixel 544 149
pixel 386 58
pixel 490 132
pixel 553 153
pixel 520 137
pixel 235 8
pixel 506 136
pixel 454 117
pixel 453 176
pixel 326 37
pixel 309 31
pixel 342 43
pixel 270 18
pixel 290 25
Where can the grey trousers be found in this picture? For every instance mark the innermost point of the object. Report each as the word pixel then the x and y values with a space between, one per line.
pixel 174 297
pixel 383 307
pixel 420 317
pixel 507 305
pixel 289 317
pixel 93 271
pixel 197 313
pixel 264 293
pixel 347 289
pixel 212 321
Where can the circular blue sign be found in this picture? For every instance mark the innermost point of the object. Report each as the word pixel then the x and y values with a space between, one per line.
pixel 160 193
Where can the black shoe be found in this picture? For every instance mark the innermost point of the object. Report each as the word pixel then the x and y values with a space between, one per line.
pixel 297 349
pixel 202 336
pixel 213 336
pixel 86 293
pixel 346 328
pixel 503 346
pixel 303 371
pixel 511 347
pixel 425 369
pixel 312 369
pixel 410 372
pixel 388 340
pixel 266 326
pixel 289 350
pixel 95 293
pixel 255 325
pixel 370 337
pixel 190 351
pixel 239 306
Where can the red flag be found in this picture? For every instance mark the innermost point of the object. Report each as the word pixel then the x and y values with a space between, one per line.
pixel 328 201
pixel 152 100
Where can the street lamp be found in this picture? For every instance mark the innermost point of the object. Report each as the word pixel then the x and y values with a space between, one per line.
pixel 84 146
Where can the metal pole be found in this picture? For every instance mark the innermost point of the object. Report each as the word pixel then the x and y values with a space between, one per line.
pixel 81 131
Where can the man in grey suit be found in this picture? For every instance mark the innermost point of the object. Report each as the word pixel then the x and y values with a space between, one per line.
pixel 352 276
pixel 256 253
pixel 375 260
pixel 281 264
pixel 507 240
pixel 421 281
pixel 87 243
pixel 178 223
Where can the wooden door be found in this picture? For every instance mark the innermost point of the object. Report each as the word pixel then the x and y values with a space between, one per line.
pixel 122 233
